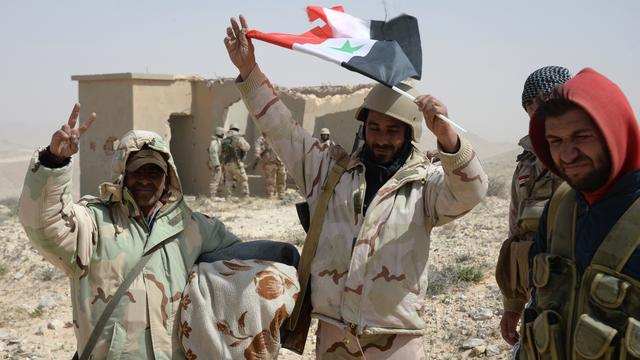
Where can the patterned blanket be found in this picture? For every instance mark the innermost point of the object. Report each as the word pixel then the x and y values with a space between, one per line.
pixel 233 309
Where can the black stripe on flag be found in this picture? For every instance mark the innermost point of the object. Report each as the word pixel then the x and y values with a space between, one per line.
pixel 403 29
pixel 385 63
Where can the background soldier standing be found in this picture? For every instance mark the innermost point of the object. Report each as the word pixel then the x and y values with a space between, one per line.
pixel 531 187
pixel 275 174
pixel 214 161
pixel 233 150
pixel 325 137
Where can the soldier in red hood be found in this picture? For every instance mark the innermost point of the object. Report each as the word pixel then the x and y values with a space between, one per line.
pixel 585 259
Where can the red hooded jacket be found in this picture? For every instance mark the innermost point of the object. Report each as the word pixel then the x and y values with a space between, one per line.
pixel 608 107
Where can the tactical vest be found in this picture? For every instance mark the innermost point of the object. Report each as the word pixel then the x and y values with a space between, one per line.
pixel 595 315
pixel 537 188
pixel 229 152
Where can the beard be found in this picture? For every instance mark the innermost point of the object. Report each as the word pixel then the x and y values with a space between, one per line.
pixel 382 154
pixel 591 181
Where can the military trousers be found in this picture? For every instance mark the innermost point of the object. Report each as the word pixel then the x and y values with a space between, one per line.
pixel 216 180
pixel 275 178
pixel 235 171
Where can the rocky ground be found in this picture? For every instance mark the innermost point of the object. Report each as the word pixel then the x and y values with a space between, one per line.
pixel 463 316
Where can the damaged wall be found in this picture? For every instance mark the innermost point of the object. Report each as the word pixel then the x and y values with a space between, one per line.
pixel 185 111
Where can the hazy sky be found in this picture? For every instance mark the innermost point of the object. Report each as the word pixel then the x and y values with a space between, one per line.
pixel 476 54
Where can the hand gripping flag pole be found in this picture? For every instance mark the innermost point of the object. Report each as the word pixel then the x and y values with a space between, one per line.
pixel 385 51
pixel 440 116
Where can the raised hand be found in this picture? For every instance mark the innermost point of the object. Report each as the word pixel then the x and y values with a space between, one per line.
pixel 239 47
pixel 431 107
pixel 64 142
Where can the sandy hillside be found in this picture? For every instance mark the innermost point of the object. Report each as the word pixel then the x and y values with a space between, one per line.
pixel 13 166
pixel 463 316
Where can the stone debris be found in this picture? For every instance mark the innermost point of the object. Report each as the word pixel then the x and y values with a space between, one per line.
pixel 55 324
pixel 473 343
pixel 492 350
pixel 482 314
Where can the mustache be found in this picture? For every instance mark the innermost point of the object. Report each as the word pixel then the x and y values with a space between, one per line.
pixel 578 160
pixel 382 147
pixel 141 187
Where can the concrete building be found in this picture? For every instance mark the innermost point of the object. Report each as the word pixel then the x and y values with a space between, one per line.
pixel 185 111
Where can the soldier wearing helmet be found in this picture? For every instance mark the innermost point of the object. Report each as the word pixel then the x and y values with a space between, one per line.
pixel 233 151
pixel 214 161
pixel 373 210
pixel 325 137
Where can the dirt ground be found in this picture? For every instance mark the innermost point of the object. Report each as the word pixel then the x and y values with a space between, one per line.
pixel 464 300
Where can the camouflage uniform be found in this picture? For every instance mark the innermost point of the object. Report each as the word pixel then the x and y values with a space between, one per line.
pixel 97 241
pixel 232 159
pixel 275 174
pixel 369 274
pixel 214 165
pixel 531 187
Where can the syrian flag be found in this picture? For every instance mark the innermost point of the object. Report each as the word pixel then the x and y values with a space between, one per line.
pixel 387 52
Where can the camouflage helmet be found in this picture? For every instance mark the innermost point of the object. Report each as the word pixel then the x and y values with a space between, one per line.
pixel 386 101
pixel 325 131
pixel 219 131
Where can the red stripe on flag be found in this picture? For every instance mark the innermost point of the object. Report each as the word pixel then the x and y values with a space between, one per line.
pixel 315 36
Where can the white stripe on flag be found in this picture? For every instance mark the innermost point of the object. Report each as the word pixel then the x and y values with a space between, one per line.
pixel 328 49
pixel 347 26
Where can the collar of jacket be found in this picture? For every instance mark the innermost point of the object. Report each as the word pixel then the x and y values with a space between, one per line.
pixel 414 168
pixel 125 207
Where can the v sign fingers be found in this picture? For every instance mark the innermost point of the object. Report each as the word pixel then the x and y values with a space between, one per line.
pixel 64 142
pixel 73 117
pixel 87 123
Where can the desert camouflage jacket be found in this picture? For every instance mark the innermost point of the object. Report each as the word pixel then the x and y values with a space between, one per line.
pixel 265 153
pixel 370 271
pixel 97 241
pixel 532 186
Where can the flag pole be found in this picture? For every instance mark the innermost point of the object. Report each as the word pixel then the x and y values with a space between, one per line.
pixel 440 116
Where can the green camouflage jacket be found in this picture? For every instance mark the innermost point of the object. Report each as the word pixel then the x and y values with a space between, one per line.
pixel 97 241
pixel 369 272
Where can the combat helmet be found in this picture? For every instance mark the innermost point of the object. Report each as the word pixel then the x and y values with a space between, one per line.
pixel 219 131
pixel 386 101
pixel 325 131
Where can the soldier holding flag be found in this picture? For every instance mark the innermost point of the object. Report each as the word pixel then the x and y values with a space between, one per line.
pixel 368 275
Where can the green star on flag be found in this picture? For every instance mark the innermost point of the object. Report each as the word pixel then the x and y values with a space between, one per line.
pixel 346 47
